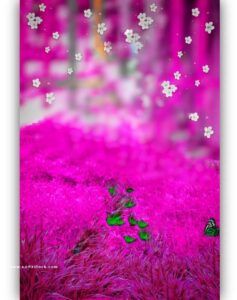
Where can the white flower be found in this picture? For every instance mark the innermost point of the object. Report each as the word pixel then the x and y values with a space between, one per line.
pixel 131 36
pixel 165 84
pixel 145 21
pixel 33 20
pixel 168 89
pixel 209 27
pixel 78 56
pixel 180 54
pixel 197 82
pixel 188 40
pixel 205 69
pixel 36 82
pixel 137 46
pixel 30 16
pixel 141 16
pixel 195 12
pixel 107 47
pixel 177 75
pixel 101 28
pixel 70 71
pixel 42 7
pixel 153 7
pixel 50 98
pixel 47 49
pixel 193 116
pixel 55 35
pixel 87 13
pixel 208 131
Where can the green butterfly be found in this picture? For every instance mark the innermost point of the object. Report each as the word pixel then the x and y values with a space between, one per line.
pixel 211 229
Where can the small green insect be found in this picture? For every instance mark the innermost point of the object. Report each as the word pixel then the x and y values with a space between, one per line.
pixel 114 220
pixel 142 224
pixel 112 190
pixel 129 204
pixel 211 229
pixel 145 236
pixel 129 239
pixel 132 221
pixel 129 190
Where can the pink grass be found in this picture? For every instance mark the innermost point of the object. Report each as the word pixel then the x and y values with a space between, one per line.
pixel 65 175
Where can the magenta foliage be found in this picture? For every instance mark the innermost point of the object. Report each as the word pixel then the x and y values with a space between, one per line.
pixel 65 175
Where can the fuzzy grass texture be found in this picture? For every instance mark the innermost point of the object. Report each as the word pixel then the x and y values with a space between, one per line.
pixel 66 198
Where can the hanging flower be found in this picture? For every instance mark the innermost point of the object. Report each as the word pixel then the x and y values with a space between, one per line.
pixel 188 40
pixel 50 98
pixel 87 13
pixel 193 116
pixel 36 82
pixel 101 28
pixel 195 12
pixel 208 132
pixel 209 27
pixel 107 47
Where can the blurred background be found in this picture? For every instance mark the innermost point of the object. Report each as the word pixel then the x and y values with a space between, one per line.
pixel 123 88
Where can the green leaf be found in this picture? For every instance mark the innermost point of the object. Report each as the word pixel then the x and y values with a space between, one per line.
pixel 132 221
pixel 129 204
pixel 112 190
pixel 114 220
pixel 129 190
pixel 142 224
pixel 129 239
pixel 144 235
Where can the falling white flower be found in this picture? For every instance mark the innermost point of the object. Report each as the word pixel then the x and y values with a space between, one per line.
pixel 101 28
pixel 208 131
pixel 107 47
pixel 197 82
pixel 168 89
pixel 47 49
pixel 209 27
pixel 195 12
pixel 42 7
pixel 133 39
pixel 70 70
pixel 193 116
pixel 30 16
pixel 188 40
pixel 36 82
pixel 145 21
pixel 153 7
pixel 180 54
pixel 55 35
pixel 177 75
pixel 137 46
pixel 33 20
pixel 50 98
pixel 205 69
pixel 87 13
pixel 165 84
pixel 78 56
pixel 142 16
